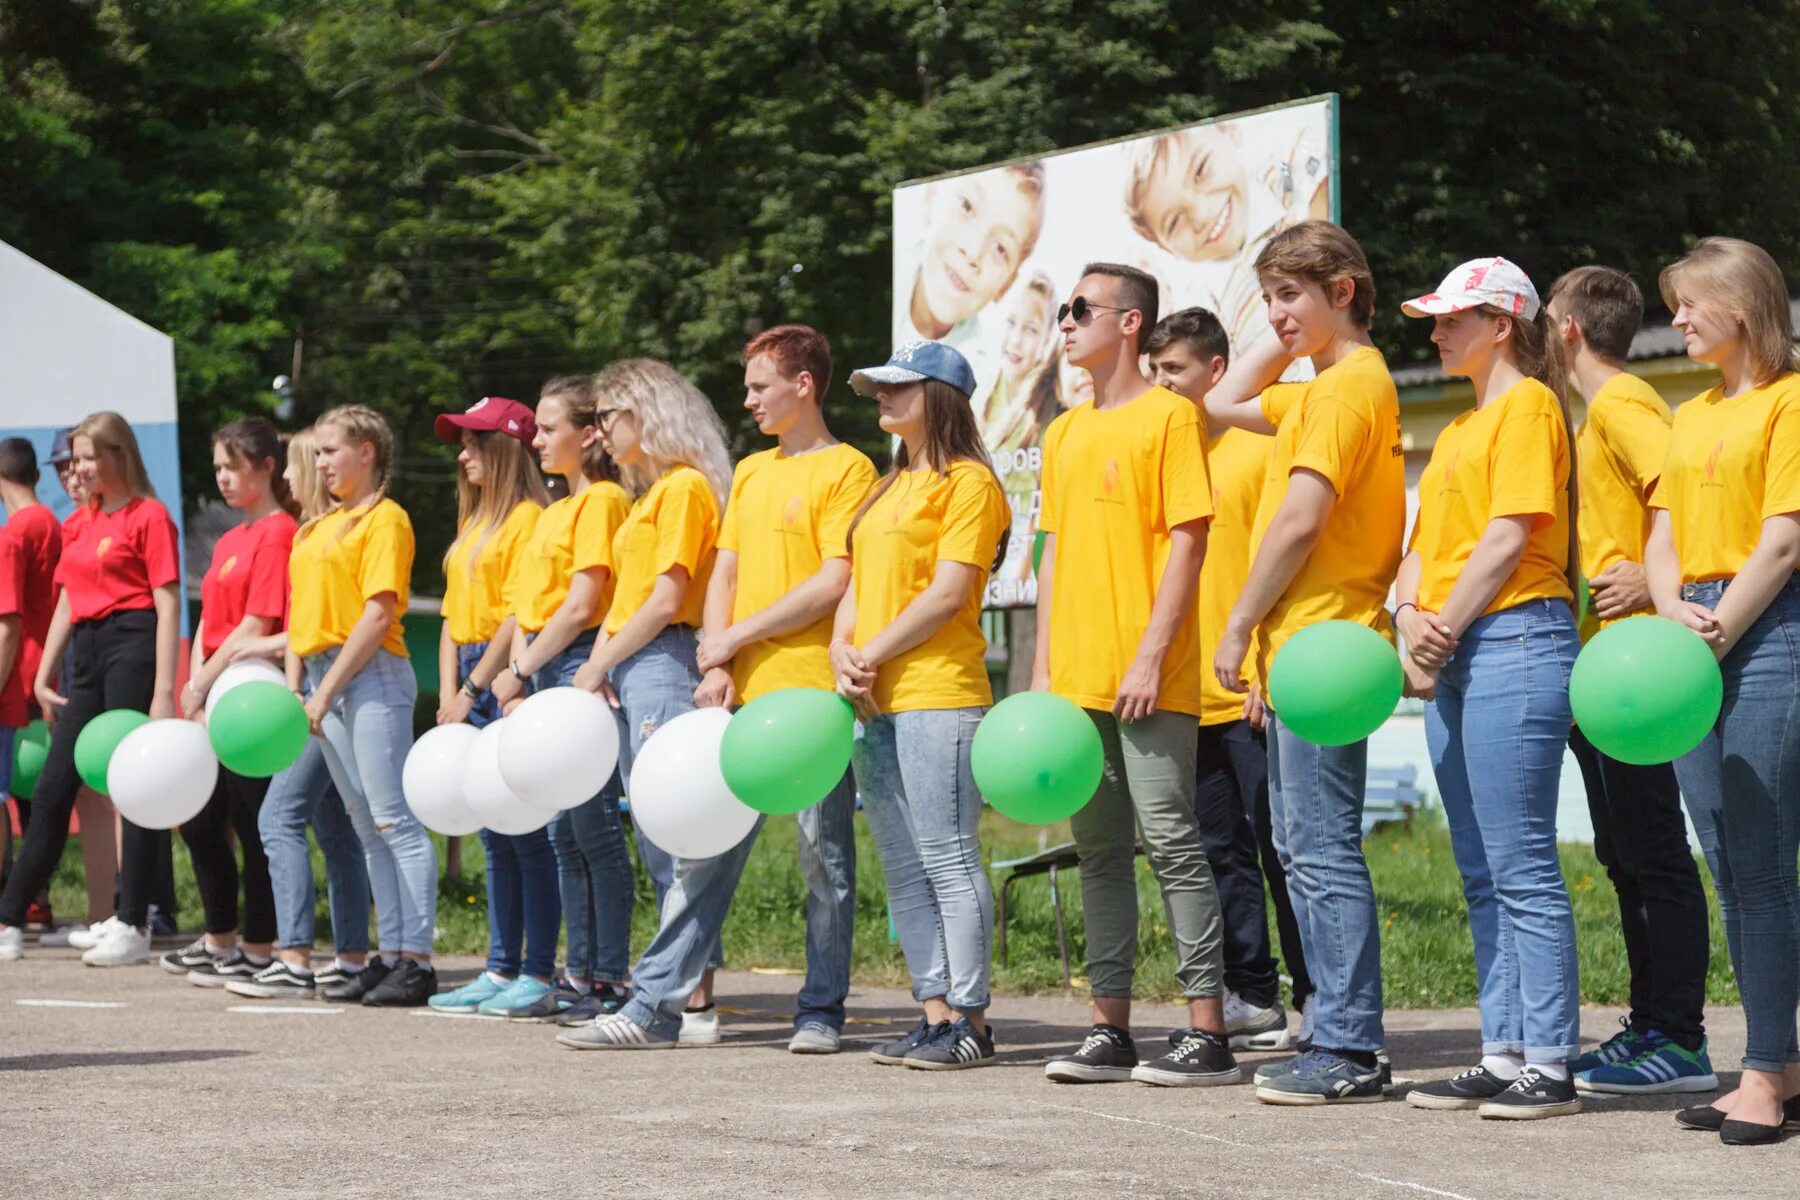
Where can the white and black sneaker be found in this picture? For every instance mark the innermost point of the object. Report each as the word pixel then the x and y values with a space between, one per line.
pixel 1533 1096
pixel 180 962
pixel 952 1046
pixel 1197 1059
pixel 893 1052
pixel 218 971
pixel 275 982
pixel 1470 1089
pixel 1252 1026
pixel 1108 1056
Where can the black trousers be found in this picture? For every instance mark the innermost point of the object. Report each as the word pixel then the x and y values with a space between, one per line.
pixel 111 664
pixel 1641 839
pixel 1231 800
pixel 235 803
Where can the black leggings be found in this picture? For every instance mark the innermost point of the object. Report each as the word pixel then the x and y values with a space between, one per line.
pixel 112 664
pixel 236 800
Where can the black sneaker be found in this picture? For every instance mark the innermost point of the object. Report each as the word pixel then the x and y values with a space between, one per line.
pixel 355 986
pixel 217 972
pixel 1533 1096
pixel 1197 1059
pixel 1107 1056
pixel 1470 1089
pixel 953 1046
pixel 180 962
pixel 161 925
pixel 553 1004
pixel 409 985
pixel 332 974
pixel 893 1053
pixel 603 1001
pixel 274 982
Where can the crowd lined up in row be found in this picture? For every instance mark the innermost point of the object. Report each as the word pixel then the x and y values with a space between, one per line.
pixel 1197 512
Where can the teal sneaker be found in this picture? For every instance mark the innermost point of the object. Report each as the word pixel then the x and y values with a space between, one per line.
pixel 1663 1067
pixel 470 995
pixel 1621 1047
pixel 520 993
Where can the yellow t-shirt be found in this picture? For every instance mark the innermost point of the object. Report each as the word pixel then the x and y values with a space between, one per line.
pixel 674 524
pixel 475 604
pixel 573 534
pixel 1238 461
pixel 1508 458
pixel 922 519
pixel 784 518
pixel 1115 483
pixel 1344 424
pixel 344 560
pixel 1619 454
pixel 1732 465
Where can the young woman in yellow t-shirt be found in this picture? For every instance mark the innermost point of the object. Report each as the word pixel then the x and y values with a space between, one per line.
pixel 1724 543
pixel 499 495
pixel 908 652
pixel 350 572
pixel 1485 594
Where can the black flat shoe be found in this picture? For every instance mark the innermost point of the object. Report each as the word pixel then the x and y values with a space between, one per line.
pixel 1748 1133
pixel 1708 1119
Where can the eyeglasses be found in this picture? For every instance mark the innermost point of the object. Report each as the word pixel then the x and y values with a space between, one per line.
pixel 1082 309
pixel 603 415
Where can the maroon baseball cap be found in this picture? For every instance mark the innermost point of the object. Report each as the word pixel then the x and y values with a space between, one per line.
pixel 489 413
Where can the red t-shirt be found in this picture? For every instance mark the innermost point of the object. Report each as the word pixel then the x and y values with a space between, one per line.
pixel 248 578
pixel 30 545
pixel 116 559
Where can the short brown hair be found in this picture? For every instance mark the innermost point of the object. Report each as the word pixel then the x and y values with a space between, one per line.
pixel 1607 307
pixel 1741 276
pixel 1198 327
pixel 795 348
pixel 1138 290
pixel 1322 253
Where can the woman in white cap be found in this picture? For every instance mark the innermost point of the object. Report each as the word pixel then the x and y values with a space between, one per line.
pixel 1485 594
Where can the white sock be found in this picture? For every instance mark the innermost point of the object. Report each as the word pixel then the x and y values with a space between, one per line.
pixel 256 960
pixel 347 968
pixel 1555 1071
pixel 1504 1066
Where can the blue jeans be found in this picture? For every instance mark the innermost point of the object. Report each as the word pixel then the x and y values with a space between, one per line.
pixel 923 808
pixel 368 732
pixel 1743 791
pixel 1496 732
pixel 1315 809
pixel 301 794
pixel 592 863
pixel 524 907
pixel 655 686
pixel 828 865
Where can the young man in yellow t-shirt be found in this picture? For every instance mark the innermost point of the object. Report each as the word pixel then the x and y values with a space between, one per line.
pixel 1327 547
pixel 1126 501
pixel 1640 835
pixel 781 569
pixel 1188 353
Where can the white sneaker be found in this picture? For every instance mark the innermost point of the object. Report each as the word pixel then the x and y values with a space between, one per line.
pixel 1254 1027
pixel 122 946
pixel 87 939
pixel 58 938
pixel 699 1028
pixel 12 944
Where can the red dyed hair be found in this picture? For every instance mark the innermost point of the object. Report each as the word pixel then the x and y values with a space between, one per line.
pixel 795 348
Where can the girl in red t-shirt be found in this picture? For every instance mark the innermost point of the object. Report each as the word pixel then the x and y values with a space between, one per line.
pixel 120 609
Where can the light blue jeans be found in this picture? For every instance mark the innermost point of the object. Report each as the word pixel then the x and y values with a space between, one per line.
pixel 368 732
pixel 923 808
pixel 1742 786
pixel 1497 731
pixel 655 686
pixel 301 794
pixel 1315 807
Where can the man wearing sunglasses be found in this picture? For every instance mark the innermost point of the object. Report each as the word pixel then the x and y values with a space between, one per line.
pixel 1126 502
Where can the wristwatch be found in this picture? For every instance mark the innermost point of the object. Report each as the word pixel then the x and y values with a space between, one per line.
pixel 470 690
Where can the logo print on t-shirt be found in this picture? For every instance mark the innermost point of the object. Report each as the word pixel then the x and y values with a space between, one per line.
pixel 225 568
pixel 1712 460
pixel 790 512
pixel 1109 478
pixel 103 547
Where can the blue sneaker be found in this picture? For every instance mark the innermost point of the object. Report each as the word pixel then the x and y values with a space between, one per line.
pixel 1663 1067
pixel 470 995
pixel 520 993
pixel 1621 1047
pixel 952 1046
pixel 551 1005
pixel 1320 1077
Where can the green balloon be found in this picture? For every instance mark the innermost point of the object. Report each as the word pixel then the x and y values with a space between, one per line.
pixel 1335 682
pixel 258 728
pixel 1646 690
pixel 31 747
pixel 97 741
pixel 785 751
pixel 1037 758
pixel 1037 552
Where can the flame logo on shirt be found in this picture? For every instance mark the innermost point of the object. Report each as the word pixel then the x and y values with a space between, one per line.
pixel 790 514
pixel 225 569
pixel 103 547
pixel 1712 460
pixel 1109 478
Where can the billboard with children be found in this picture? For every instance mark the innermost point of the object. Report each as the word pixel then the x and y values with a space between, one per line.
pixel 983 259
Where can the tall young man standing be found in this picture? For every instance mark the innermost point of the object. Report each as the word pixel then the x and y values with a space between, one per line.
pixel 1126 500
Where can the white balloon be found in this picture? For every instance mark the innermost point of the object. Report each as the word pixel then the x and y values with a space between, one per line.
pixel 486 793
pixel 432 780
pixel 678 794
pixel 162 773
pixel 250 670
pixel 560 747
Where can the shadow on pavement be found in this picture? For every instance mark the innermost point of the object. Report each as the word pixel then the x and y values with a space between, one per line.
pixel 113 1058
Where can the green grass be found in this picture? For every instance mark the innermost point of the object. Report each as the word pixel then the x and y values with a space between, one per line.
pixel 1426 957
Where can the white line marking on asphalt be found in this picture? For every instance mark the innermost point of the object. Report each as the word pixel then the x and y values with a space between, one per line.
pixel 71 1003
pixel 306 1010
pixel 454 1016
pixel 1210 1137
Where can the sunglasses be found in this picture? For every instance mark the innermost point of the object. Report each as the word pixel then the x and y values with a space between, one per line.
pixel 1083 309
